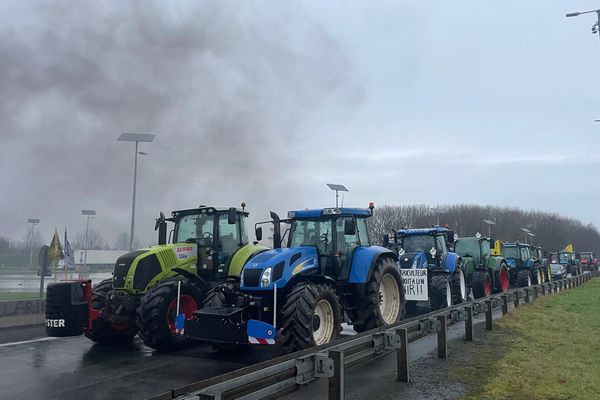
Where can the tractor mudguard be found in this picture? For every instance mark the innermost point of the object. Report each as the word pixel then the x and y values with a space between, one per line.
pixel 364 260
pixel 241 257
pixel 494 263
pixel 451 261
pixel 528 263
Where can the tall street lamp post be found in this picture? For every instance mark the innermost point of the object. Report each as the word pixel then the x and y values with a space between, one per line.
pixel 596 26
pixel 489 223
pixel 33 222
pixel 88 214
pixel 135 137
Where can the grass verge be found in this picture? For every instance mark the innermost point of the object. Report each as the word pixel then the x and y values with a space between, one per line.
pixel 547 350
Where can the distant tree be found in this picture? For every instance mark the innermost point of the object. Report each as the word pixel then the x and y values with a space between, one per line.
pixel 122 242
pixel 95 240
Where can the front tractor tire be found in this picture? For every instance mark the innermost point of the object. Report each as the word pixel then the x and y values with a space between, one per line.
pixel 103 331
pixel 524 278
pixel 384 302
pixel 311 316
pixel 482 284
pixel 459 286
pixel 440 292
pixel 157 312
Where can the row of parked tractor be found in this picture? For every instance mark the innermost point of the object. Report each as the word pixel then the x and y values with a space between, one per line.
pixel 206 281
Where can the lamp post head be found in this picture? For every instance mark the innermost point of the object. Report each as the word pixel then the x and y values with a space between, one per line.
pixel 88 212
pixel 136 137
pixel 33 221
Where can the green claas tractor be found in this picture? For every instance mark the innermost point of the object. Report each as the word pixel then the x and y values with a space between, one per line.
pixel 485 273
pixel 151 286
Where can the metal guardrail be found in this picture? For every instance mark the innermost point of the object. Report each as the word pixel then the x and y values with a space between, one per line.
pixel 276 377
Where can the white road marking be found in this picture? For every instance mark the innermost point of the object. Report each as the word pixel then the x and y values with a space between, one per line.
pixel 28 341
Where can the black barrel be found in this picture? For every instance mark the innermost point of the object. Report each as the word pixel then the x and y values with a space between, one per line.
pixel 66 309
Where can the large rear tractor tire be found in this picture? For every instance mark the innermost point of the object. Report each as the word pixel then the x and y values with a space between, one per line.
pixel 311 316
pixel 524 278
pixel 440 292
pixel 103 331
pixel 482 284
pixel 459 286
pixel 501 279
pixel 384 303
pixel 157 313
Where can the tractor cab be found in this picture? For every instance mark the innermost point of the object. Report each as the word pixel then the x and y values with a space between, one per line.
pixel 213 234
pixel 517 254
pixel 477 248
pixel 424 248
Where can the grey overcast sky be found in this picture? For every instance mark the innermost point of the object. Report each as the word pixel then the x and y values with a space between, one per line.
pixel 434 102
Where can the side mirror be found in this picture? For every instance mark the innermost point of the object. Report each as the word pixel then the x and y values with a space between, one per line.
pixel 386 240
pixel 161 218
pixel 231 216
pixel 258 233
pixel 450 236
pixel 349 227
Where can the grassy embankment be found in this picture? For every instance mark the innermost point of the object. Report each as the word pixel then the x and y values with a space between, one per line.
pixel 19 295
pixel 547 350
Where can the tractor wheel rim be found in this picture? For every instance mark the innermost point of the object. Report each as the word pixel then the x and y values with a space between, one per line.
pixel 504 279
pixel 487 289
pixel 389 299
pixel 528 279
pixel 187 306
pixel 324 331
pixel 539 277
pixel 463 285
pixel 448 294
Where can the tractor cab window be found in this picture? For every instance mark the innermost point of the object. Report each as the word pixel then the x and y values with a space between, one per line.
pixel 441 244
pixel 243 231
pixel 192 228
pixel 510 252
pixel 363 233
pixel 345 243
pixel 525 255
pixel 485 248
pixel 585 256
pixel 229 237
pixel 564 258
pixel 316 233
pixel 467 247
pixel 422 243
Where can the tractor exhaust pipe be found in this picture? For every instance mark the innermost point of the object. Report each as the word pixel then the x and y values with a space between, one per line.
pixel 161 225
pixel 276 230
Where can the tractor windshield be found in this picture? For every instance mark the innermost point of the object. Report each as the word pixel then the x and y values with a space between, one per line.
pixel 564 258
pixel 586 256
pixel 415 243
pixel 467 246
pixel 316 232
pixel 511 252
pixel 190 228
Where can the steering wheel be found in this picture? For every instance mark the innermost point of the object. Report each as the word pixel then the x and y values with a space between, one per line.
pixel 207 235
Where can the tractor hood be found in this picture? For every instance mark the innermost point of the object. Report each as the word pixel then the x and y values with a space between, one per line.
pixel 514 262
pixel 277 267
pixel 413 259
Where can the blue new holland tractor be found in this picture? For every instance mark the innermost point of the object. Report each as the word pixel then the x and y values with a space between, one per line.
pixel 298 296
pixel 423 254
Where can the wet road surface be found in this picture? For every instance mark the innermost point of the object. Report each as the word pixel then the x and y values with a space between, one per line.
pixel 31 282
pixel 76 368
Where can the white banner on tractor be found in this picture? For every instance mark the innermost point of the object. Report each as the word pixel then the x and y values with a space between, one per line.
pixel 415 284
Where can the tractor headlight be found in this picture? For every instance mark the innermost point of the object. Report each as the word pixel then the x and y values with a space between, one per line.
pixel 265 278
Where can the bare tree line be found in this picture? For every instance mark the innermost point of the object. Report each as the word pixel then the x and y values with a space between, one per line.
pixel 551 230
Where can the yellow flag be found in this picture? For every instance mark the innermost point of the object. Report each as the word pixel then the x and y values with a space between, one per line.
pixel 55 251
pixel 569 248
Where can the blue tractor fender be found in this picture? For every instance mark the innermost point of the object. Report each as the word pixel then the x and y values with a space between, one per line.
pixel 452 261
pixel 364 260
pixel 528 263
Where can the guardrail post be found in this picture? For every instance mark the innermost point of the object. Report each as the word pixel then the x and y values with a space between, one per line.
pixel 488 315
pixel 336 382
pixel 504 304
pixel 516 299
pixel 526 295
pixel 442 338
pixel 555 284
pixel 402 356
pixel 469 324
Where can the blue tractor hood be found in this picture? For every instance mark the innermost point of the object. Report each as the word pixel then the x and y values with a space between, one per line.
pixel 407 259
pixel 284 263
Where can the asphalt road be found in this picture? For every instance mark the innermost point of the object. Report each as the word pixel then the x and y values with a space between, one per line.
pixel 76 368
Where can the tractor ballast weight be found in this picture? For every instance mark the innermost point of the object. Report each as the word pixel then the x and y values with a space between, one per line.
pixel 299 295
pixel 485 273
pixel 427 250
pixel 209 245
